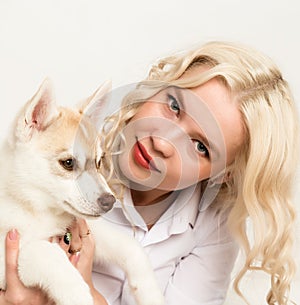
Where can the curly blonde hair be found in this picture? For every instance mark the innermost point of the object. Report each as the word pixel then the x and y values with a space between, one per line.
pixel 262 175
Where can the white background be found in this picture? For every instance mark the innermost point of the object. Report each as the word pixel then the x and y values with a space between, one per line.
pixel 80 44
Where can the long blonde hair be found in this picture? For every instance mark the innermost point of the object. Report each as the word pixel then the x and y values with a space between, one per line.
pixel 261 184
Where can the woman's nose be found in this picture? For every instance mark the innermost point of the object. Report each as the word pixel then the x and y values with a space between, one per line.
pixel 168 138
pixel 163 146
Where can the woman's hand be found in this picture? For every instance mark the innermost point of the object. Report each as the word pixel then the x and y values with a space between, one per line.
pixel 82 249
pixel 16 293
pixel 81 254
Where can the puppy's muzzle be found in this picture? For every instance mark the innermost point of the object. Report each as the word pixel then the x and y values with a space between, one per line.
pixel 106 201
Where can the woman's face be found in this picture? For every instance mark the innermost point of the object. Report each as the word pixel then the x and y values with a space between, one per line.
pixel 181 136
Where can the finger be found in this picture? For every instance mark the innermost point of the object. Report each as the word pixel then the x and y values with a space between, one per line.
pixel 74 258
pixel 11 258
pixel 76 244
pixel 84 230
pixel 15 290
pixel 85 263
pixel 86 235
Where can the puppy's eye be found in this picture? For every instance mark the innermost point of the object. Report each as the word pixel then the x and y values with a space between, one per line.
pixel 68 164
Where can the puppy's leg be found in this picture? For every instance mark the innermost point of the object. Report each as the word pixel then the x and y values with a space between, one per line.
pixel 114 247
pixel 44 264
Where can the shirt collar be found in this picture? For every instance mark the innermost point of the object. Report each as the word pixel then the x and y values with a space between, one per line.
pixel 175 220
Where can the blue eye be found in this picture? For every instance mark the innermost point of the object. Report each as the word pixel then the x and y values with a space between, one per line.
pixel 201 148
pixel 173 104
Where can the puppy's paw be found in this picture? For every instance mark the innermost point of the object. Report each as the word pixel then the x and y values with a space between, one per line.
pixel 152 301
pixel 2 279
pixel 158 300
pixel 73 293
pixel 81 299
pixel 2 285
pixel 148 295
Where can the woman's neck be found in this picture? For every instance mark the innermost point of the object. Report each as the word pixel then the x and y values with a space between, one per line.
pixel 149 197
pixel 151 204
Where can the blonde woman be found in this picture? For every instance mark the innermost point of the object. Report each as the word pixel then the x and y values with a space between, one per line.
pixel 208 142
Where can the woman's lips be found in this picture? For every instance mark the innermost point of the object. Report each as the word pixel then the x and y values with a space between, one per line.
pixel 142 157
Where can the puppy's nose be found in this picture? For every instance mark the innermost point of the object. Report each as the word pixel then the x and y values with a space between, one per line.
pixel 106 201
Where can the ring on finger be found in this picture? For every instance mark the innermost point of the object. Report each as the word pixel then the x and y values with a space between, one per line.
pixel 74 251
pixel 86 234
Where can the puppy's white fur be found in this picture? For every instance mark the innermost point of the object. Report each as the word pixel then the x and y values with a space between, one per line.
pixel 40 198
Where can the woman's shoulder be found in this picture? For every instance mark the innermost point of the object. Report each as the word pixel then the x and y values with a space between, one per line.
pixel 211 224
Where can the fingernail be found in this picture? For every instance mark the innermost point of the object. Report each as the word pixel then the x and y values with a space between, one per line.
pixel 67 238
pixel 13 234
pixel 76 257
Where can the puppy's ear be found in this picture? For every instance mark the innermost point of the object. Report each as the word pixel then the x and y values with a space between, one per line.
pixel 39 112
pixel 94 106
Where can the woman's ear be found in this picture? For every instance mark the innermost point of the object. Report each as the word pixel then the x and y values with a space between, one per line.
pixel 222 177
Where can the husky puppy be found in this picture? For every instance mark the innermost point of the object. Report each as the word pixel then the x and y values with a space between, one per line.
pixel 49 175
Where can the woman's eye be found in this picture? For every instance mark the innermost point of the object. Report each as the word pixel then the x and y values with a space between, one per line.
pixel 67 164
pixel 173 104
pixel 201 148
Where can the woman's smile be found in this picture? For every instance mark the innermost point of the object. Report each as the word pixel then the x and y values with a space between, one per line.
pixel 166 140
pixel 142 157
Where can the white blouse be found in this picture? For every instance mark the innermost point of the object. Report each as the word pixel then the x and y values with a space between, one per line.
pixel 190 248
